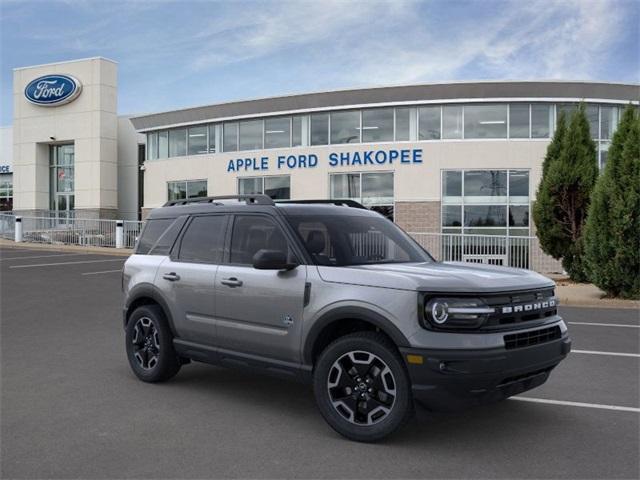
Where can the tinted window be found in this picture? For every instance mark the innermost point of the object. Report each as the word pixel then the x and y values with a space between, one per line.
pixel 341 240
pixel 320 129
pixel 541 120
pixel 168 238
pixel 345 127
pixel 277 132
pixel 197 140
pixel 178 142
pixel 485 121
pixel 403 123
pixel 429 123
pixel 519 120
pixel 377 125
pixel 278 188
pixel 452 184
pixel 251 135
pixel 452 121
pixel 203 241
pixel 252 233
pixel 230 137
pixel 151 233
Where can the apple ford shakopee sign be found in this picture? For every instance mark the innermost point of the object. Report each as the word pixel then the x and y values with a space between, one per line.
pixel 53 90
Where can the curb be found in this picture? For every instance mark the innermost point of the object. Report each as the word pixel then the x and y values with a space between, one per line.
pixel 124 252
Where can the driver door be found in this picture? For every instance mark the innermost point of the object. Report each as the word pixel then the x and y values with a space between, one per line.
pixel 259 312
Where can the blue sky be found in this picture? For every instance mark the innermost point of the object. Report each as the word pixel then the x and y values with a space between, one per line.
pixel 174 54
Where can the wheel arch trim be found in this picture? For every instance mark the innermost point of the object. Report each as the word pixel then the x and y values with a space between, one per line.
pixel 147 290
pixel 350 313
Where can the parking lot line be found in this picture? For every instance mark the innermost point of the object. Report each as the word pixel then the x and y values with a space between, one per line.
pixel 577 404
pixel 604 324
pixel 614 354
pixel 68 263
pixel 42 256
pixel 104 271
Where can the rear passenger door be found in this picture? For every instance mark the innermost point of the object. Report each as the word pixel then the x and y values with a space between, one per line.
pixel 187 278
pixel 259 312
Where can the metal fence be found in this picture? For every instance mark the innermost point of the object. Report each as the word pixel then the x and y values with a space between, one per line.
pixel 519 252
pixel 71 231
pixel 132 229
pixel 7 226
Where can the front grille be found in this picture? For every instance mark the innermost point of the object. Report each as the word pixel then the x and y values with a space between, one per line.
pixel 518 307
pixel 533 337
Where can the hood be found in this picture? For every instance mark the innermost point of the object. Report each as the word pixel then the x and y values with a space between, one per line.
pixel 437 277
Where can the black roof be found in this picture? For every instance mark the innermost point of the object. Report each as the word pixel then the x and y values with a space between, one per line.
pixel 257 203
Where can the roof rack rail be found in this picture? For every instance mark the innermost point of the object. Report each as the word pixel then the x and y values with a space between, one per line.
pixel 338 202
pixel 249 200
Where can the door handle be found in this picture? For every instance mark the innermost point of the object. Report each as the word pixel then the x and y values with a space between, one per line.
pixel 172 277
pixel 231 282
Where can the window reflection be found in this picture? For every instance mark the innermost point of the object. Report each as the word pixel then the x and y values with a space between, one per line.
pixel 485 121
pixel 377 125
pixel 345 127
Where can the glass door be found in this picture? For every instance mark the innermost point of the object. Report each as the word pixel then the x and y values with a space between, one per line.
pixel 62 177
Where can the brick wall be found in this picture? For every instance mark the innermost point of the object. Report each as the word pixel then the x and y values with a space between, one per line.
pixel 418 216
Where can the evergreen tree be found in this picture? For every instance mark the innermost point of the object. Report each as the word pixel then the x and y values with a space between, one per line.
pixel 563 197
pixel 548 231
pixel 612 242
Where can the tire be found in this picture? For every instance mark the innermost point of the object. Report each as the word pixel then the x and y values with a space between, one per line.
pixel 149 345
pixel 362 387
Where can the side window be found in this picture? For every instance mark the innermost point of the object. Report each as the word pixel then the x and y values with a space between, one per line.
pixel 317 240
pixel 168 238
pixel 153 229
pixel 252 233
pixel 203 241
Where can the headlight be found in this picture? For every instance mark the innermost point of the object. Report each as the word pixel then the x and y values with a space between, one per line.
pixel 456 312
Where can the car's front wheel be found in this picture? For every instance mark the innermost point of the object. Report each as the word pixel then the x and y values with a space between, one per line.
pixel 149 345
pixel 362 387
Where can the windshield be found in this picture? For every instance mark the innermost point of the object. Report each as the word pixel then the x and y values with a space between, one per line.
pixel 343 240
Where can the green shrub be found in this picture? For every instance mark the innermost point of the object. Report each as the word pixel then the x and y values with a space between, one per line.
pixel 569 174
pixel 612 233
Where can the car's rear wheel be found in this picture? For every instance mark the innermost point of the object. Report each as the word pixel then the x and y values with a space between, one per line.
pixel 362 387
pixel 149 345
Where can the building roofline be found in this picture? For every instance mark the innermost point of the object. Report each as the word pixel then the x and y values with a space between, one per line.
pixel 392 94
pixel 388 86
pixel 65 61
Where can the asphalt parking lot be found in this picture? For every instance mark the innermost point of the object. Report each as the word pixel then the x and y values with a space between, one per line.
pixel 71 408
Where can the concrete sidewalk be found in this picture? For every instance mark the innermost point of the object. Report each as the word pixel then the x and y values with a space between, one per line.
pixel 575 294
pixel 66 248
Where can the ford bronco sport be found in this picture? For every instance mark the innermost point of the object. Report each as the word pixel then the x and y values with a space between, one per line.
pixel 335 294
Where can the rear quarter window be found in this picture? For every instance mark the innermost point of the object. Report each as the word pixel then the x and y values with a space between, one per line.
pixel 153 230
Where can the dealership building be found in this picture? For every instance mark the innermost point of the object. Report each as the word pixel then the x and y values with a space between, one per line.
pixel 449 157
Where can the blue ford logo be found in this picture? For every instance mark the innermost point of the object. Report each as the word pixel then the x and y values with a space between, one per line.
pixel 53 90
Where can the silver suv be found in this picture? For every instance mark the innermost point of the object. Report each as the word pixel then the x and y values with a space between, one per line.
pixel 334 294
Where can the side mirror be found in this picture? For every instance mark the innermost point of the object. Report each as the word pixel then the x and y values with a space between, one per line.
pixel 272 260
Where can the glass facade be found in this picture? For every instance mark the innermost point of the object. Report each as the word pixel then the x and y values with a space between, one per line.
pixel 377 125
pixel 277 132
pixel 6 192
pixel 61 179
pixel 373 189
pixel 485 121
pixel 345 127
pixel 429 123
pixel 486 202
pixel 277 187
pixel 383 124
pixel 185 189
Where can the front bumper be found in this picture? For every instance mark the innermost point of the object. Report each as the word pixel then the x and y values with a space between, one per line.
pixel 457 378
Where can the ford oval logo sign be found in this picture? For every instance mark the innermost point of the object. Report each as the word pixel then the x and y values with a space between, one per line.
pixel 53 90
